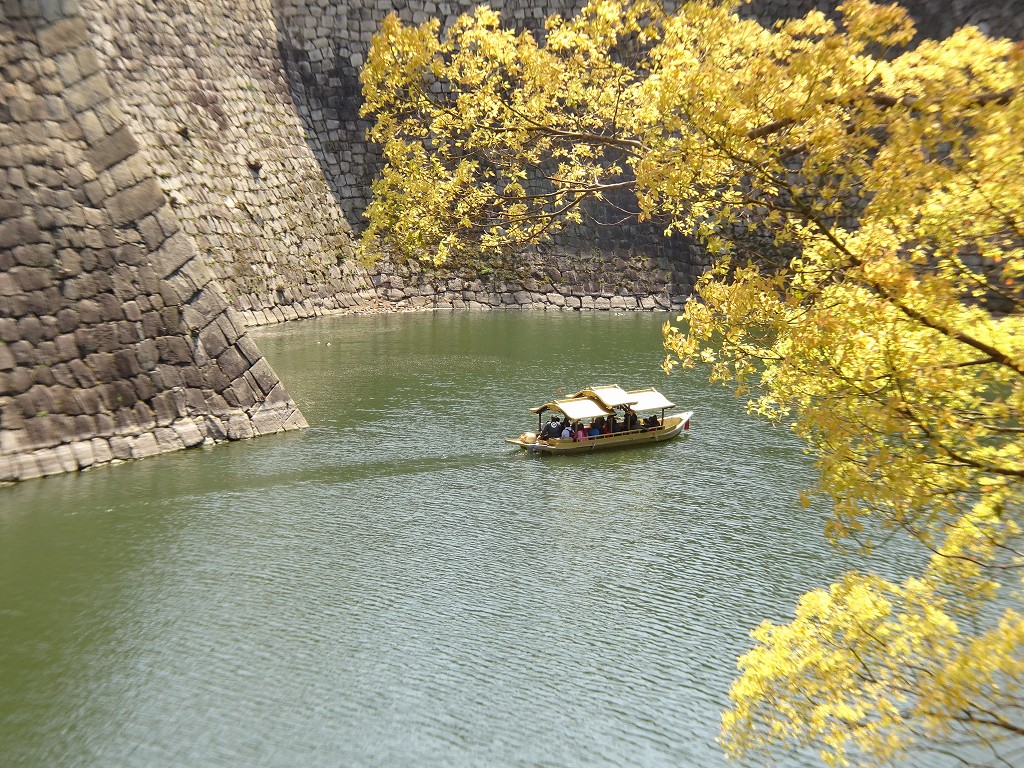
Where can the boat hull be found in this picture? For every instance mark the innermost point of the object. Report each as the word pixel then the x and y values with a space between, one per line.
pixel 673 426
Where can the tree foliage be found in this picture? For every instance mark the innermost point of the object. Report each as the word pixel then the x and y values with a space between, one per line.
pixel 864 200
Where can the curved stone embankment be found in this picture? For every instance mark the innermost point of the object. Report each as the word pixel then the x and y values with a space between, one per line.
pixel 116 340
pixel 587 281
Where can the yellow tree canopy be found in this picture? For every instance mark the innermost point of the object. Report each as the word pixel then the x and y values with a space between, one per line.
pixel 864 201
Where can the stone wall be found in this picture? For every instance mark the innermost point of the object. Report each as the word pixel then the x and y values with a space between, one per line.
pixel 324 43
pixel 205 92
pixel 172 171
pixel 616 279
pixel 116 341
pixel 935 19
pixel 249 112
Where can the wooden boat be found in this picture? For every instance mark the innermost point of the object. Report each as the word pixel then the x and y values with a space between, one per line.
pixel 606 403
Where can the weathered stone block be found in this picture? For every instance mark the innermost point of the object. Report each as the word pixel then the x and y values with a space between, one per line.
pixel 83 453
pixel 101 450
pixel 174 350
pixel 89 93
pixel 121 448
pixel 63 35
pixel 239 427
pixel 112 149
pixel 232 363
pixel 135 202
pixel 65 458
pixel 29 467
pixel 165 407
pixel 129 333
pixel 36 255
pixel 9 466
pixel 188 432
pixel 83 374
pixel 14 440
pixel 296 420
pixel 110 307
pixel 144 416
pixel 126 363
pixel 31 278
pixel 209 301
pixel 6 358
pixel 144 387
pixel 105 424
pixel 248 348
pixel 267 421
pixel 241 394
pixel 168 440
pixel 214 428
pixel 177 250
pixel 85 425
pixel 132 311
pixel 43 431
pixel 88 401
pixel 148 354
pixel 212 339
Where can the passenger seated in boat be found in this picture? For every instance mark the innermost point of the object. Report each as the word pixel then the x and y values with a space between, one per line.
pixel 614 424
pixel 594 430
pixel 581 433
pixel 551 429
pixel 567 432
pixel 631 421
pixel 651 422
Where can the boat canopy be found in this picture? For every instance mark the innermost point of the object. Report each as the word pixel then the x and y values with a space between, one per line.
pixel 601 401
pixel 649 400
pixel 576 408
pixel 609 396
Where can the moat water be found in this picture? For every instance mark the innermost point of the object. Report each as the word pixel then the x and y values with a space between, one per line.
pixel 396 586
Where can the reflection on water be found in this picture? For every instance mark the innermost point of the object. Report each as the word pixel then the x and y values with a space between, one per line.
pixel 396 586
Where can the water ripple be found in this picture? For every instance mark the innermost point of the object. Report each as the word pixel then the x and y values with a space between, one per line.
pixel 395 587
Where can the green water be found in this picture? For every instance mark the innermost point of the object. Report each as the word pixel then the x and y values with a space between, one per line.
pixel 396 586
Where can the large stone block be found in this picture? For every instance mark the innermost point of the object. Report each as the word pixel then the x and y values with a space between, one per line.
pixel 167 439
pixel 113 149
pixel 267 421
pixel 239 427
pixel 177 251
pixel 9 468
pixel 29 467
pixel 212 339
pixel 121 448
pixel 85 455
pixel 135 202
pixel 188 432
pixel 175 350
pixel 232 363
pixel 63 35
pixel 88 94
pixel 101 449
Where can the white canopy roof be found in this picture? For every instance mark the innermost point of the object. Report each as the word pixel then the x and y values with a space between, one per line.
pixel 609 396
pixel 649 400
pixel 600 401
pixel 576 408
